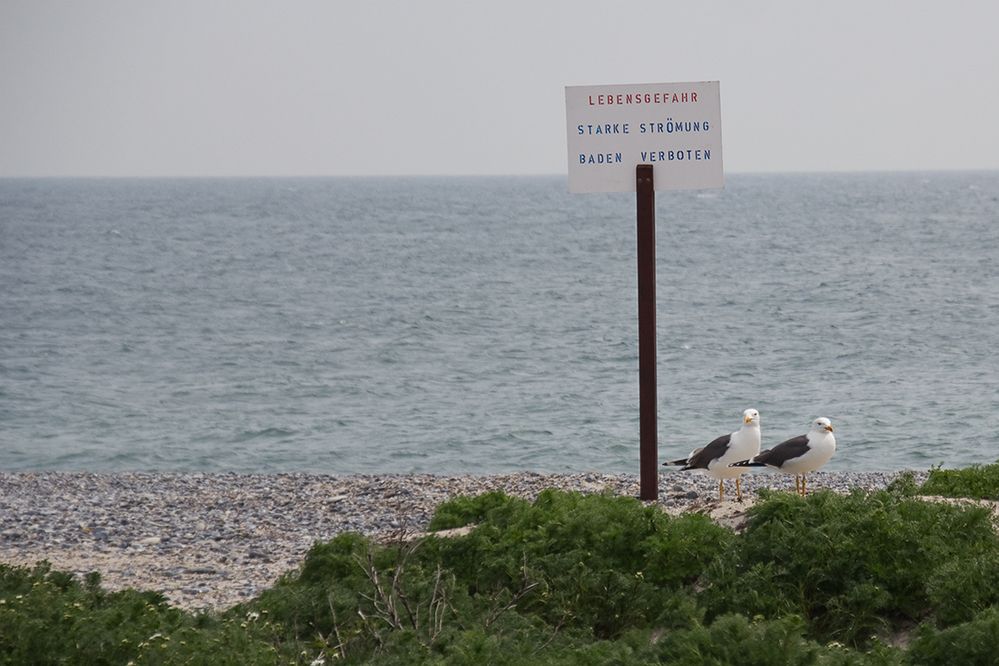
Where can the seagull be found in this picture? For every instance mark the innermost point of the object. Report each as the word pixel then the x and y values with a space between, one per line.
pixel 716 457
pixel 799 455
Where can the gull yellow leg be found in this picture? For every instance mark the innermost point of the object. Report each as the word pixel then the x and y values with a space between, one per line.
pixel 797 484
pixel 803 491
pixel 721 489
pixel 738 490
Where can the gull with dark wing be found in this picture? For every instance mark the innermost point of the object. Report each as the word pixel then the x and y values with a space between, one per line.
pixel 716 458
pixel 798 455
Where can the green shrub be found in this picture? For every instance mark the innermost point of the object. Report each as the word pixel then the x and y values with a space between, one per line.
pixel 356 597
pixel 47 617
pixel 976 482
pixel 732 639
pixel 962 587
pixel 904 485
pixel 462 511
pixel 566 566
pixel 599 563
pixel 969 644
pixel 853 566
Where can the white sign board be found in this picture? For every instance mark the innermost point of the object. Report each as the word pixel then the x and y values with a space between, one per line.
pixel 674 126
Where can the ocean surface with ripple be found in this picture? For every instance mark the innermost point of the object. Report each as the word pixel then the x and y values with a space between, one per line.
pixel 484 325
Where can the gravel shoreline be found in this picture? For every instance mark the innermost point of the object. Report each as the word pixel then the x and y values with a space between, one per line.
pixel 215 540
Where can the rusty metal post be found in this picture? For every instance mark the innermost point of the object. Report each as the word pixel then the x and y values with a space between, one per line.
pixel 647 401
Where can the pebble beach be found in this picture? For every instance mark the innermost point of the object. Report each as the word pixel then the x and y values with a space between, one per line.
pixel 210 541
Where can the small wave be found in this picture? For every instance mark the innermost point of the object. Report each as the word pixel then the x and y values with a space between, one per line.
pixel 265 433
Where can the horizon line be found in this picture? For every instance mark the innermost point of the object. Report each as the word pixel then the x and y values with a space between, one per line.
pixel 774 172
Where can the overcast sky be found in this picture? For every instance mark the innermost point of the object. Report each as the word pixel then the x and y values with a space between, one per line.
pixel 191 88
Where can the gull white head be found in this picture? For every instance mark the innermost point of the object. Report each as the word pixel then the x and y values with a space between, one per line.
pixel 751 417
pixel 822 425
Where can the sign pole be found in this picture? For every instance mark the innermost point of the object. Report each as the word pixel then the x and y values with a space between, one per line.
pixel 648 428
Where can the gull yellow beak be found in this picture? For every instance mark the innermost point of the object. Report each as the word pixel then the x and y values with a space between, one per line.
pixel 747 419
pixel 829 428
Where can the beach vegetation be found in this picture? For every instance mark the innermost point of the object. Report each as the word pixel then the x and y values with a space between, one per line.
pixel 976 482
pixel 865 578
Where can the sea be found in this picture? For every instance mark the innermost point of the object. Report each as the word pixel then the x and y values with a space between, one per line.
pixel 479 325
